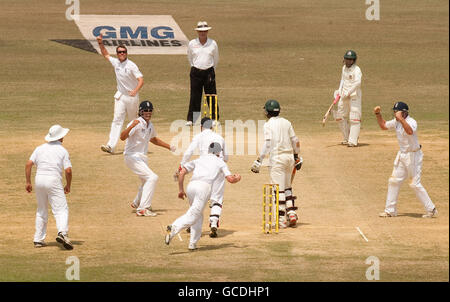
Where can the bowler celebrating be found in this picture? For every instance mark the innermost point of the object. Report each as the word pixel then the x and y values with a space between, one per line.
pixel 126 100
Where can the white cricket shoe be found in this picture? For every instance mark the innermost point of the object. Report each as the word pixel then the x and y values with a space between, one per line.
pixel 146 213
pixel 292 217
pixel 386 214
pixel 344 143
pixel 192 246
pixel 107 149
pixel 352 145
pixel 431 214
pixel 169 235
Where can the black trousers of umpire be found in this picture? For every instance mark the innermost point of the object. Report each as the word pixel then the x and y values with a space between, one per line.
pixel 201 80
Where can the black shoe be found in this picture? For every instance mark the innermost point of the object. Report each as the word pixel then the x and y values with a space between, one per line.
pixel 188 230
pixel 64 240
pixel 213 233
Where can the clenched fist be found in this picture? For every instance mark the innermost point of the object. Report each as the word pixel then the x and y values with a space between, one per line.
pixel 377 110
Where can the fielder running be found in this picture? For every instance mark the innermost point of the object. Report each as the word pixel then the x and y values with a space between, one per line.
pixel 348 114
pixel 283 146
pixel 51 159
pixel 206 169
pixel 137 135
pixel 126 100
pixel 201 142
pixel 408 162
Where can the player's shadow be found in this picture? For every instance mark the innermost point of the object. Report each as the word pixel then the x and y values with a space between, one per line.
pixel 209 247
pixel 220 233
pixel 343 146
pixel 413 215
pixel 74 243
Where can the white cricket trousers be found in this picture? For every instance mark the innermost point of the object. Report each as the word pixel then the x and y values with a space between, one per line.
pixel 349 119
pixel 407 165
pixel 198 193
pixel 280 173
pixel 138 163
pixel 217 192
pixel 49 190
pixel 125 105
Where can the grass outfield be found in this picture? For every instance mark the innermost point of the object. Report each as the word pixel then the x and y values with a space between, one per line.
pixel 288 50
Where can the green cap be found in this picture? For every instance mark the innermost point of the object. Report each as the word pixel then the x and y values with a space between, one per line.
pixel 272 106
pixel 350 54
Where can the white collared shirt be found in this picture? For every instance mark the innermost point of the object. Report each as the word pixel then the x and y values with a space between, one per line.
pixel 51 159
pixel 351 81
pixel 203 56
pixel 201 142
pixel 138 138
pixel 407 143
pixel 207 168
pixel 127 74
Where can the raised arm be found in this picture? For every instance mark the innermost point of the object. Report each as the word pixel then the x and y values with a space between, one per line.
pixel 103 50
pixel 380 120
pixel 126 133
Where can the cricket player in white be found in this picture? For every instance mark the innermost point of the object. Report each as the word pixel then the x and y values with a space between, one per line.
pixel 408 163
pixel 201 143
pixel 283 146
pixel 137 135
pixel 207 168
pixel 51 159
pixel 126 100
pixel 348 113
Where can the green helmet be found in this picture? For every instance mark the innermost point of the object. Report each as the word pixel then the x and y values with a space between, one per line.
pixel 272 106
pixel 350 54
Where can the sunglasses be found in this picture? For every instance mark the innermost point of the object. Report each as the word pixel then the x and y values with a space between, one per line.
pixel 121 51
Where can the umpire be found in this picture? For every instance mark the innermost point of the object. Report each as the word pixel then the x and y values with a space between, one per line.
pixel 203 55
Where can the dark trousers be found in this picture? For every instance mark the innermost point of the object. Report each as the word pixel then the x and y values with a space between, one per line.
pixel 201 80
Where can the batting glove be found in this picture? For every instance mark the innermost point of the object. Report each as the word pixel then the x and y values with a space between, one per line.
pixel 256 166
pixel 298 163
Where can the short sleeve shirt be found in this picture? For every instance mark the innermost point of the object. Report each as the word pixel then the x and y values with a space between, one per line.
pixel 127 74
pixel 407 143
pixel 139 136
pixel 51 159
pixel 207 168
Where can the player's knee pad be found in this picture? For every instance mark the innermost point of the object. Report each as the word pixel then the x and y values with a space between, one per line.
pixel 281 204
pixel 214 220
pixel 290 200
pixel 216 208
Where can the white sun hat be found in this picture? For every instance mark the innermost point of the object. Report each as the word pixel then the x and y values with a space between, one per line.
pixel 55 133
pixel 202 26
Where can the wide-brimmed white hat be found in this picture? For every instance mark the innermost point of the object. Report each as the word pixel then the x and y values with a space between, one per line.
pixel 55 133
pixel 202 26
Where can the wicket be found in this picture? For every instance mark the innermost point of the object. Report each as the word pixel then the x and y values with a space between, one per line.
pixel 208 102
pixel 271 194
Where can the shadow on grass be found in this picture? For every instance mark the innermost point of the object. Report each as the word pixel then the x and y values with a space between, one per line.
pixel 413 215
pixel 209 247
pixel 344 146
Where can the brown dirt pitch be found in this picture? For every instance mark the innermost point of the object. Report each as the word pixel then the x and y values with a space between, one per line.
pixel 288 50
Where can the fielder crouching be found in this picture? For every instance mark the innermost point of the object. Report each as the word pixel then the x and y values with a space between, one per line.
pixel 206 169
pixel 281 142
pixel 137 135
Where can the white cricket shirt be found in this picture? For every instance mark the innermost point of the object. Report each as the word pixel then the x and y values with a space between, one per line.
pixel 203 56
pixel 127 74
pixel 280 133
pixel 201 142
pixel 140 135
pixel 207 168
pixel 51 159
pixel 351 81
pixel 407 143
